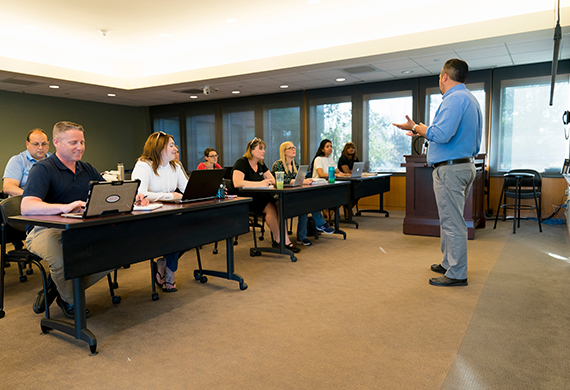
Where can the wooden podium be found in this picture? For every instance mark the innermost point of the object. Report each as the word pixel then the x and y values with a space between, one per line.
pixel 422 217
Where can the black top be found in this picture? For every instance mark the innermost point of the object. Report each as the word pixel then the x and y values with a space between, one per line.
pixel 242 165
pixel 53 182
pixel 343 160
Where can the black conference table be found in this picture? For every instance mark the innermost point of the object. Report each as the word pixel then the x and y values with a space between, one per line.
pixel 295 201
pixel 105 243
pixel 364 186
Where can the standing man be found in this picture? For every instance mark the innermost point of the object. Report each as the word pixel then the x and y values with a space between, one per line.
pixel 18 167
pixel 455 137
pixel 59 184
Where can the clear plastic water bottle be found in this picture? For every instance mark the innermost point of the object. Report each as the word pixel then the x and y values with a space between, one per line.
pixel 331 174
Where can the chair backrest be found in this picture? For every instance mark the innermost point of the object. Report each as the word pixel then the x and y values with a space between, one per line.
pixel 14 232
pixel 510 179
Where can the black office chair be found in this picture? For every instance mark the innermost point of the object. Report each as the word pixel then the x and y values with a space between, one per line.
pixel 14 233
pixel 520 184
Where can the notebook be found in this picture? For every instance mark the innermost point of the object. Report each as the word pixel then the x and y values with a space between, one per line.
pixel 108 198
pixel 203 184
pixel 357 169
pixel 301 173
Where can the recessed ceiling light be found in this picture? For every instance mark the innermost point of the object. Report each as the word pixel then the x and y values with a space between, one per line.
pixel 104 32
pixel 54 86
pixel 164 35
pixel 111 94
pixel 407 71
pixel 314 2
pixel 231 20
pixel 283 86
pixel 193 97
pixel 340 79
pixel 236 92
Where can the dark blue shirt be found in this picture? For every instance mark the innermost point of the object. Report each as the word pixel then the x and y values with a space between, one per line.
pixel 53 182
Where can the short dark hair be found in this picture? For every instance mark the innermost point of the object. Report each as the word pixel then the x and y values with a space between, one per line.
pixel 208 150
pixel 456 69
pixel 35 130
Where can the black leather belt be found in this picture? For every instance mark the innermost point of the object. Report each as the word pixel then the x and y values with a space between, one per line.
pixel 456 161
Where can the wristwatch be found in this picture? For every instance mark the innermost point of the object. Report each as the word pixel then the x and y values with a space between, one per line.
pixel 414 129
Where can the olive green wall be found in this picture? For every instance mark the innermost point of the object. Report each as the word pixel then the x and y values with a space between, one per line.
pixel 113 133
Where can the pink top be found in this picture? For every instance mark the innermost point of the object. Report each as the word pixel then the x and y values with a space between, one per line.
pixel 203 166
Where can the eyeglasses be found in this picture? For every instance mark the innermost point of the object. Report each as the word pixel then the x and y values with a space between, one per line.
pixel 213 155
pixel 290 147
pixel 36 144
pixel 159 133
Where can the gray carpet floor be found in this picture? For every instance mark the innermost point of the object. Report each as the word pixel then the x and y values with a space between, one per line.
pixel 349 314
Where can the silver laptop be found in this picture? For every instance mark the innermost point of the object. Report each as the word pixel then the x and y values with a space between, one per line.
pixel 301 173
pixel 357 169
pixel 202 185
pixel 108 198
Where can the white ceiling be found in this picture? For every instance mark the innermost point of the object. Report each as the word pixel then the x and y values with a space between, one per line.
pixel 273 43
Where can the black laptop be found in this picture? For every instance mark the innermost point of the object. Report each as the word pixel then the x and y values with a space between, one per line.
pixel 203 184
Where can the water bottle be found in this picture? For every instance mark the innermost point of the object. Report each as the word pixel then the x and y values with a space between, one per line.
pixel 221 194
pixel 121 169
pixel 331 174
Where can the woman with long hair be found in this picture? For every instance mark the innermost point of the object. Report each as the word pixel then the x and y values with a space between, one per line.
pixel 348 158
pixel 161 175
pixel 250 171
pixel 288 164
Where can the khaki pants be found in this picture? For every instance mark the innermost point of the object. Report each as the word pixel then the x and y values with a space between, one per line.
pixel 46 243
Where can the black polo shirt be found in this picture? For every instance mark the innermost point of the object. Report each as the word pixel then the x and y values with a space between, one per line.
pixel 53 182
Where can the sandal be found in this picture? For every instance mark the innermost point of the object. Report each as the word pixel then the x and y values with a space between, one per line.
pixel 170 289
pixel 169 281
pixel 158 277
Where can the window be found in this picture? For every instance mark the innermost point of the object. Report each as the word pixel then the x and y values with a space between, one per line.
pixel 434 99
pixel 169 123
pixel 330 120
pixel 238 127
pixel 200 134
pixel 384 144
pixel 529 127
pixel 281 122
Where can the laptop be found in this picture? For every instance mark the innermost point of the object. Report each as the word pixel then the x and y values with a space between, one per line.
pixel 301 173
pixel 357 169
pixel 203 184
pixel 108 198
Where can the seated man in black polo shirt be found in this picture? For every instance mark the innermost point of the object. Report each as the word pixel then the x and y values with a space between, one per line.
pixel 58 184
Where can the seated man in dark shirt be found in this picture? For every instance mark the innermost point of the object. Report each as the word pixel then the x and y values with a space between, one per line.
pixel 58 184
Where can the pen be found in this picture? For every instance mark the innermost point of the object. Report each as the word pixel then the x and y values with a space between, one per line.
pixel 138 201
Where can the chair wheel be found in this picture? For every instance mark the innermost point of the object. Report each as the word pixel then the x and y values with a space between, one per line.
pixel 253 252
pixel 155 296
pixel 203 279
pixel 2 313
pixel 23 278
pixel 29 272
pixel 115 285
pixel 243 286
pixel 261 238
pixel 215 251
pixel 93 349
pixel 293 259
pixel 116 299
pixel 45 329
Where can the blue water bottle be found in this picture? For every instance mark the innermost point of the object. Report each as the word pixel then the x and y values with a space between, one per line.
pixel 331 174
